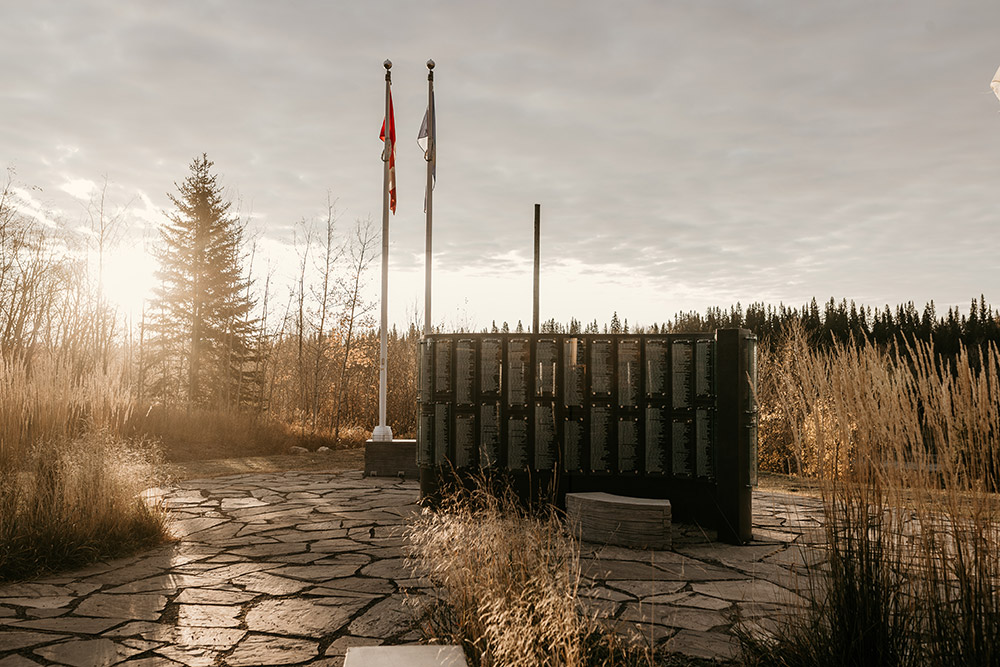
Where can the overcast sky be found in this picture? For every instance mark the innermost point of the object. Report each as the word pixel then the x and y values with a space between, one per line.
pixel 685 154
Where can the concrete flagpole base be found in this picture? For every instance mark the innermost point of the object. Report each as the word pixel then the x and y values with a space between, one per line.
pixel 391 458
pixel 382 434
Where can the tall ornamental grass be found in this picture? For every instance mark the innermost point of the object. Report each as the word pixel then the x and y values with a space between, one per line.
pixel 70 485
pixel 906 446
pixel 506 585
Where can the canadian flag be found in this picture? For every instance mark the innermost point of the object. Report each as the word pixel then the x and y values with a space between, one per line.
pixel 392 155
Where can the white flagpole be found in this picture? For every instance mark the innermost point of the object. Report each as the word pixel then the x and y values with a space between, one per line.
pixel 382 432
pixel 430 156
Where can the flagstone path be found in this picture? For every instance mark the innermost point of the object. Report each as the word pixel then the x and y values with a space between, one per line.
pixel 294 568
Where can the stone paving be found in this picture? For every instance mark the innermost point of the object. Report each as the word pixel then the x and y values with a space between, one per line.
pixel 294 568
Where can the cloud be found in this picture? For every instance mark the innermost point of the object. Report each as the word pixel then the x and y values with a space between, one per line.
pixel 80 188
pixel 706 150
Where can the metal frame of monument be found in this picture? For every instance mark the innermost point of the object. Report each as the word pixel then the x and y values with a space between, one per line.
pixel 648 415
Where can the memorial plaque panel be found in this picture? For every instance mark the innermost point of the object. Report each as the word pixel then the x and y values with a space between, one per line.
pixel 704 368
pixel 600 431
pixel 425 440
pixel 518 359
pixel 628 372
pixel 442 366
pixel 426 371
pixel 752 409
pixel 574 372
pixel 657 370
pixel 465 439
pixel 572 444
pixel 681 371
pixel 546 451
pixel 465 372
pixel 704 424
pixel 546 358
pixel 517 443
pixel 489 434
pixel 657 441
pixel 628 444
pixel 490 357
pixel 442 432
pixel 601 369
pixel 682 445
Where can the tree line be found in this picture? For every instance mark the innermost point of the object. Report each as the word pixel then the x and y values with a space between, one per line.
pixel 211 338
pixel 835 322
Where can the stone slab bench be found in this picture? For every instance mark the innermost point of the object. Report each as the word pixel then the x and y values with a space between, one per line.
pixel 395 458
pixel 604 518
pixel 405 656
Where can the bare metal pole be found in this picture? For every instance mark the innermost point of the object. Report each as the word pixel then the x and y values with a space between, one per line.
pixel 382 432
pixel 538 224
pixel 431 156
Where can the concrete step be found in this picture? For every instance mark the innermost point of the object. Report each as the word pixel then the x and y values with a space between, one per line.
pixel 405 656
pixel 604 518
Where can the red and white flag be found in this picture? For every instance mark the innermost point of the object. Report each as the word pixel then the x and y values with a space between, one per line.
pixel 392 155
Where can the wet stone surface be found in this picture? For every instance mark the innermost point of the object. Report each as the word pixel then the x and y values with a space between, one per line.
pixel 293 568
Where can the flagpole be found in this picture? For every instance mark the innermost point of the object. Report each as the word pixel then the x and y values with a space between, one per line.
pixel 382 432
pixel 534 301
pixel 430 157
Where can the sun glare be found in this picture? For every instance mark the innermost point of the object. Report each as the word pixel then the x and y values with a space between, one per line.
pixel 128 278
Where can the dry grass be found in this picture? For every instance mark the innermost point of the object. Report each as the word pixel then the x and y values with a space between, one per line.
pixel 905 447
pixel 69 483
pixel 71 502
pixel 507 585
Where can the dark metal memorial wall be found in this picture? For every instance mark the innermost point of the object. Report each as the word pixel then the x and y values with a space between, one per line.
pixel 657 416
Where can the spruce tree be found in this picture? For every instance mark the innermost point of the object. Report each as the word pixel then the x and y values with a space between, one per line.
pixel 201 309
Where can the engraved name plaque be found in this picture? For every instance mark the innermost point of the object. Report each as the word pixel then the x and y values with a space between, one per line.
pixel 682 383
pixel 657 371
pixel 628 444
pixel 704 368
pixel 572 444
pixel 442 366
pixel 517 443
pixel 574 372
pixel 546 357
pixel 628 373
pixel 683 465
pixel 426 371
pixel 545 437
pixel 657 441
pixel 490 356
pixel 442 432
pixel 465 372
pixel 600 447
pixel 425 441
pixel 704 429
pixel 465 439
pixel 518 358
pixel 489 435
pixel 601 370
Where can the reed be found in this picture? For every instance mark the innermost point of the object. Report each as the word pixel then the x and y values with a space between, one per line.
pixel 70 484
pixel 905 444
pixel 506 584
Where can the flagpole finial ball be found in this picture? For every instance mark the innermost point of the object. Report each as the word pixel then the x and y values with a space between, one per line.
pixel 387 64
pixel 430 64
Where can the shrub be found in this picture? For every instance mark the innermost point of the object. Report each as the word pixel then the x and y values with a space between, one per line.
pixel 74 501
pixel 507 583
pixel 906 446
